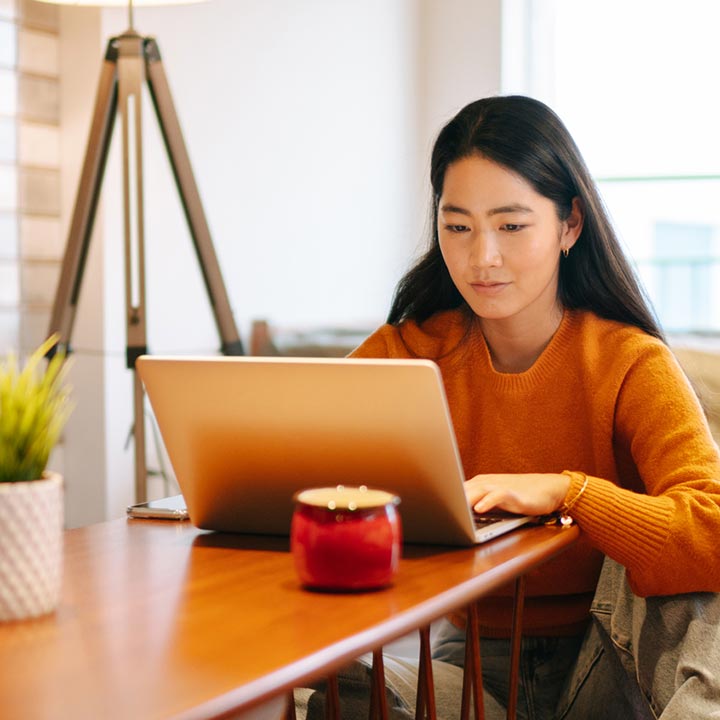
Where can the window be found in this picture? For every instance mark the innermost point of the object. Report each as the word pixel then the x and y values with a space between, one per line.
pixel 682 267
pixel 632 82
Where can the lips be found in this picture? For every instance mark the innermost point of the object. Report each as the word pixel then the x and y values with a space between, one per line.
pixel 489 287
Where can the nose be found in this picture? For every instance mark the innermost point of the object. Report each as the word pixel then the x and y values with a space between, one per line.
pixel 485 251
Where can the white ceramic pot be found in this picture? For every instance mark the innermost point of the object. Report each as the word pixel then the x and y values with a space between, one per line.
pixel 31 528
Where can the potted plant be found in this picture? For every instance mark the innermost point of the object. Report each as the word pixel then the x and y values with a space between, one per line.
pixel 34 406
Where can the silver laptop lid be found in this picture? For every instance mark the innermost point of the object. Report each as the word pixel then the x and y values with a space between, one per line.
pixel 244 434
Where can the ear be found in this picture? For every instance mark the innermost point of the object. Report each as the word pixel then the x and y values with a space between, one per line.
pixel 573 224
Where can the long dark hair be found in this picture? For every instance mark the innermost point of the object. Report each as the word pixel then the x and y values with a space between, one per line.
pixel 528 138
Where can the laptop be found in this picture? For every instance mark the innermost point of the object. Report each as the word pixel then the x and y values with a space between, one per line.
pixel 244 434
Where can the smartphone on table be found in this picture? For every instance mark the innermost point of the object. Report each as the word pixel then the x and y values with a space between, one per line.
pixel 169 508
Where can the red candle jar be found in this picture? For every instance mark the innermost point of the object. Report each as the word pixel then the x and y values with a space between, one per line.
pixel 346 538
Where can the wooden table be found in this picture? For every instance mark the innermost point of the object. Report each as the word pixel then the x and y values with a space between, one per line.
pixel 161 620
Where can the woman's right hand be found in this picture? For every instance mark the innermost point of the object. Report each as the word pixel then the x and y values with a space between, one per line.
pixel 524 494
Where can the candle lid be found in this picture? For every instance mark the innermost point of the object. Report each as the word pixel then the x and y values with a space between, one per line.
pixel 341 497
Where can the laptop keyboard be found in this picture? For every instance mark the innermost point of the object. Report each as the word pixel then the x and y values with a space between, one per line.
pixel 482 521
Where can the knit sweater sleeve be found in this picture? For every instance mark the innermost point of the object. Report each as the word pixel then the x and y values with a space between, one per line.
pixel 666 537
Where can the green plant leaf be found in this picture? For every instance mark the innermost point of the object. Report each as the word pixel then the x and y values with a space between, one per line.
pixel 34 407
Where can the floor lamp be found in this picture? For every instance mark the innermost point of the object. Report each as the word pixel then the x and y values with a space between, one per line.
pixel 131 61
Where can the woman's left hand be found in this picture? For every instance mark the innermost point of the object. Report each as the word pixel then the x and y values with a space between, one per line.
pixel 526 494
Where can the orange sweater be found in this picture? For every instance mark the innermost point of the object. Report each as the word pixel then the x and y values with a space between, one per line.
pixel 604 399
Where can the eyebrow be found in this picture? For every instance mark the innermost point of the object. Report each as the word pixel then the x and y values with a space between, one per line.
pixel 503 209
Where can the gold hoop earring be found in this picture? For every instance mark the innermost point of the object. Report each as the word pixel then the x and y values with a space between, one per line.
pixel 566 251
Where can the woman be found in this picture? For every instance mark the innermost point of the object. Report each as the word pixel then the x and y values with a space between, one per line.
pixel 563 393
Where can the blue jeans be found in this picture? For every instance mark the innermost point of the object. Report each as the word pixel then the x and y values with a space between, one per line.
pixel 545 664
pixel 640 659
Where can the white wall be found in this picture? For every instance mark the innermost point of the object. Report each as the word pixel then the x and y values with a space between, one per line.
pixel 309 126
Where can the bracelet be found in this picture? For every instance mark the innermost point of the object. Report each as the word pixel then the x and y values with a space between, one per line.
pixel 564 510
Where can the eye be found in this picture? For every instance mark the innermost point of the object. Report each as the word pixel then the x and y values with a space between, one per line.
pixel 457 228
pixel 511 227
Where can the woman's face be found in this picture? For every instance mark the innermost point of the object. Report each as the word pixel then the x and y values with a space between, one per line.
pixel 501 240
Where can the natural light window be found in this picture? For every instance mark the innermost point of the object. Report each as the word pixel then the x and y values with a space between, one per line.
pixel 633 81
